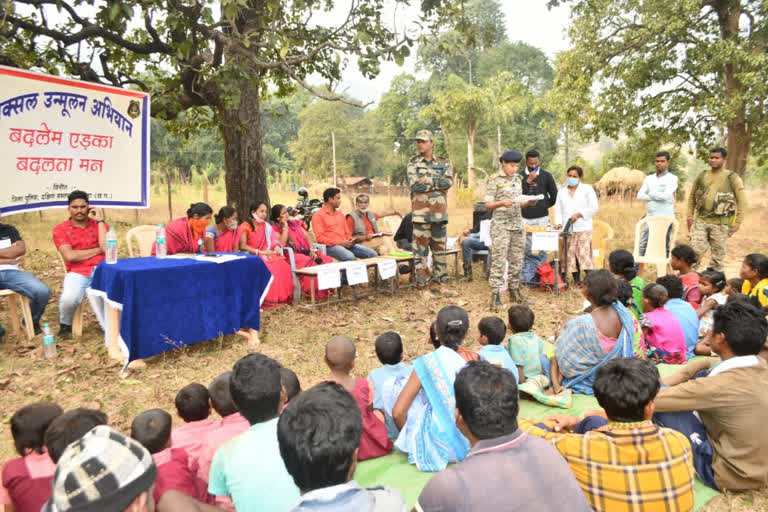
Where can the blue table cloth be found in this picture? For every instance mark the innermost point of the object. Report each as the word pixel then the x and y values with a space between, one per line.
pixel 168 303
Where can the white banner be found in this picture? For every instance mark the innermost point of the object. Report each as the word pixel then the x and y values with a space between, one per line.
pixel 387 268
pixel 357 272
pixel 544 241
pixel 328 276
pixel 58 135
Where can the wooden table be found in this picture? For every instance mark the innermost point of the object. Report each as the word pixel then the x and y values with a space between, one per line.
pixel 312 273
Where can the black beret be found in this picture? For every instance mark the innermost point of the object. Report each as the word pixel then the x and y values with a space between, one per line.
pixel 511 155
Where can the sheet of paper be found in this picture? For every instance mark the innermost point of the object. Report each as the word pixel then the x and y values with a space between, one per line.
pixel 357 273
pixel 524 199
pixel 387 268
pixel 545 241
pixel 182 255
pixel 219 258
pixel 450 243
pixel 328 276
pixel 485 232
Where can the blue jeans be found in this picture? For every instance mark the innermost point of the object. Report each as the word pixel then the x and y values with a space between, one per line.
pixel 531 261
pixel 27 285
pixel 689 425
pixel 644 239
pixel 344 254
pixel 472 243
pixel 72 293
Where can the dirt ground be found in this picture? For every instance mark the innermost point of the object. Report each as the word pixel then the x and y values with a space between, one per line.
pixel 83 375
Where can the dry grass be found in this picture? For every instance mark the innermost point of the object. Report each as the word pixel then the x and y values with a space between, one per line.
pixel 83 375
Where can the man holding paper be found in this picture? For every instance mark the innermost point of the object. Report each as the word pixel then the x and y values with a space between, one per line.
pixel 503 193
pixel 361 222
pixel 536 181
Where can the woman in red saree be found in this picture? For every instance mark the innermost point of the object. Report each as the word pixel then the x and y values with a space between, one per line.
pixel 186 234
pixel 225 235
pixel 258 237
pixel 292 233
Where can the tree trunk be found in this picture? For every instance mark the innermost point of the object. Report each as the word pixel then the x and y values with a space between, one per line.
pixel 245 177
pixel 168 183
pixel 739 134
pixel 470 155
pixel 567 153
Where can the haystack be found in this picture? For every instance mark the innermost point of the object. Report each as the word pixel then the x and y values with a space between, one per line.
pixel 621 180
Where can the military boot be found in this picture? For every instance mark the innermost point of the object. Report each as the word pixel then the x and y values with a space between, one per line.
pixel 496 304
pixel 516 297
pixel 468 272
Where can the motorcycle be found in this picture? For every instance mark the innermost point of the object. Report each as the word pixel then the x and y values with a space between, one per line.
pixel 305 208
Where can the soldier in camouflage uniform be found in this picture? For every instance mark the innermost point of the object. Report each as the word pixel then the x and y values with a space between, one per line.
pixel 507 237
pixel 429 178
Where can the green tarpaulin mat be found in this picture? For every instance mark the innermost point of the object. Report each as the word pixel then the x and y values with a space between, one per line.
pixel 394 470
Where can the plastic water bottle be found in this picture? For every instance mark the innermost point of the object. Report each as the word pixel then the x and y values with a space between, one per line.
pixel 160 248
pixel 49 343
pixel 111 246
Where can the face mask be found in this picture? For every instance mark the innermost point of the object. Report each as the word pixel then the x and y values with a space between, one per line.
pixel 532 169
pixel 198 225
pixel 572 182
pixel 256 218
pixel 232 225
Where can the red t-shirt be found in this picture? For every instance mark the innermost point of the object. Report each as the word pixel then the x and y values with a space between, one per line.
pixel 330 228
pixel 26 482
pixel 80 239
pixel 366 221
pixel 174 473
pixel 691 292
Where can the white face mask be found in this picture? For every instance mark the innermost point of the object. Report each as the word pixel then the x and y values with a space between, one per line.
pixel 232 225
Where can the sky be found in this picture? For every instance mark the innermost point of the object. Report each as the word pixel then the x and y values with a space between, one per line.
pixel 529 21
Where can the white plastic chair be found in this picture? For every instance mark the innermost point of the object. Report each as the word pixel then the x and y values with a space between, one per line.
pixel 144 236
pixel 26 312
pixel 79 317
pixel 656 250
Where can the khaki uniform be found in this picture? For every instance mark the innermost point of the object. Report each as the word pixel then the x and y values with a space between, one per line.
pixel 507 237
pixel 718 202
pixel 429 205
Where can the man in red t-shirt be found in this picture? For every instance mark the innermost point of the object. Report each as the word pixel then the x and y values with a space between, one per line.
pixel 80 241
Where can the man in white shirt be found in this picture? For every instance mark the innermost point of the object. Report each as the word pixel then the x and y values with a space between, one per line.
pixel 12 248
pixel 659 191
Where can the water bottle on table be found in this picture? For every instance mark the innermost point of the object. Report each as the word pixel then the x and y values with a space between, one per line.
pixel 49 343
pixel 161 250
pixel 111 246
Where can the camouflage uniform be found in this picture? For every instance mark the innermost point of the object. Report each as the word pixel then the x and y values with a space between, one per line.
pixel 429 204
pixel 507 237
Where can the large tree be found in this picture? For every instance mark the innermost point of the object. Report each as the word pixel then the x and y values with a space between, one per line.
pixel 680 71
pixel 206 53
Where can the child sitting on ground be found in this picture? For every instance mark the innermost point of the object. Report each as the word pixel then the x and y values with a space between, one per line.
pixel 491 332
pixel 525 348
pixel 683 257
pixel 733 285
pixel 389 350
pixel 193 405
pixel 152 429
pixel 624 295
pixel 712 283
pixel 754 272
pixel 26 480
pixel 664 335
pixel 622 266
pixel 291 385
pixel 340 355
pixel 465 353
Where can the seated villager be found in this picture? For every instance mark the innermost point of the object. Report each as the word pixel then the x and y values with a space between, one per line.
pixel 259 237
pixel 712 285
pixel 330 228
pixel 340 355
pixel 623 461
pixel 506 469
pixel 69 427
pixel 80 240
pixel 754 272
pixel 361 222
pixel 187 234
pixel 588 341
pixel 193 405
pixel 291 233
pixel 423 404
pixel 727 431
pixel 622 266
pixel 683 310
pixel 224 235
pixel 663 333
pixel 389 350
pixel 26 480
pixel 682 259
pixel 404 235
pixel 319 436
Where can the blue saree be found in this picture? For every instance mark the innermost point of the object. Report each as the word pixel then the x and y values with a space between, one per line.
pixel 579 353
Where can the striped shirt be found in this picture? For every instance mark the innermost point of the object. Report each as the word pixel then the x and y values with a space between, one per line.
pixel 628 466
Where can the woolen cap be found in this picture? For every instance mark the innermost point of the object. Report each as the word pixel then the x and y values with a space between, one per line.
pixel 511 155
pixel 103 470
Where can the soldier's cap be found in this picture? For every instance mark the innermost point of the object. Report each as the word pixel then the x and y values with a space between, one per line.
pixel 424 135
pixel 511 155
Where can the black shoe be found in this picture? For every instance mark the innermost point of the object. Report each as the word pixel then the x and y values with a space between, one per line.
pixel 37 328
pixel 516 297
pixel 65 331
pixel 496 304
pixel 405 269
pixel 468 272
pixel 2 333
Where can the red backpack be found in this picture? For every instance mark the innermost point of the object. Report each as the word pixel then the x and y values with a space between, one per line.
pixel 547 278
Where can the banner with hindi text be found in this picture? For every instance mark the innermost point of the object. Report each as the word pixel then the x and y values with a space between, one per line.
pixel 58 135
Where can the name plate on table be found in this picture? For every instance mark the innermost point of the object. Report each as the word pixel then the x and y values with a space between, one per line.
pixel 328 276
pixel 357 273
pixel 545 241
pixel 387 268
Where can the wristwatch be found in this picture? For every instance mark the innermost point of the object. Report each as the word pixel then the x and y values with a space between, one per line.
pixel 100 221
